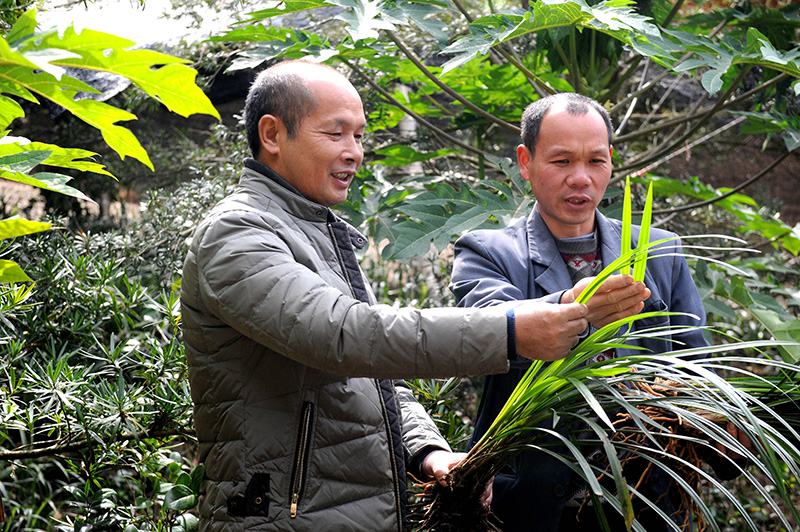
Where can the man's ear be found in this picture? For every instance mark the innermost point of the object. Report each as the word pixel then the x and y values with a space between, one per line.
pixel 523 159
pixel 270 128
pixel 611 151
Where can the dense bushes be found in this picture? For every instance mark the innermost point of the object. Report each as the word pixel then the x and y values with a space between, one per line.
pixel 96 421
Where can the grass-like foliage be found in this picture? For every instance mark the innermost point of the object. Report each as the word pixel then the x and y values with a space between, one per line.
pixel 645 411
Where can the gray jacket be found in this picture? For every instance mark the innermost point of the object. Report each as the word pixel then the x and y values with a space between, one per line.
pixel 284 363
pixel 522 261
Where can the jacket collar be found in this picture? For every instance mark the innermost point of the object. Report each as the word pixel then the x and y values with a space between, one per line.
pixel 553 275
pixel 277 189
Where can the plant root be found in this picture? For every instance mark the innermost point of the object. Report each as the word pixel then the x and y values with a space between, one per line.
pixel 455 508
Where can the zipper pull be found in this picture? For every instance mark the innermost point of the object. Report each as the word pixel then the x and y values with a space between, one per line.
pixel 293 507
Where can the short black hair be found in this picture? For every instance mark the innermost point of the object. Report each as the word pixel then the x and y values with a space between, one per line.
pixel 279 92
pixel 576 104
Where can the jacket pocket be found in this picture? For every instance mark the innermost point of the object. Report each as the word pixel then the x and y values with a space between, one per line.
pixel 301 455
pixel 255 501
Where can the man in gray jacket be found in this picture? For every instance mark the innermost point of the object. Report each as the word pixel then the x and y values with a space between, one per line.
pixel 552 254
pixel 291 363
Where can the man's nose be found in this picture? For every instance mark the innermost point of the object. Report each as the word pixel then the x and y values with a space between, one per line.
pixel 579 177
pixel 354 151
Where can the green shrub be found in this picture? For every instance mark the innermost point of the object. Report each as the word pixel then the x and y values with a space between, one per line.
pixel 95 410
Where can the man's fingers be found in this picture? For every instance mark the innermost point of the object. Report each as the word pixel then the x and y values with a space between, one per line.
pixel 615 282
pixel 573 311
pixel 548 331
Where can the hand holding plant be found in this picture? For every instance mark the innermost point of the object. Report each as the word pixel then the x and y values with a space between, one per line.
pixel 617 298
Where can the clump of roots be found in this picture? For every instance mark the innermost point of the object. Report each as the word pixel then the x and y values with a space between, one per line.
pixel 683 456
pixel 457 507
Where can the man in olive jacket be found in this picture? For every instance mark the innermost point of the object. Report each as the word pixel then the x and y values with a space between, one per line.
pixel 291 362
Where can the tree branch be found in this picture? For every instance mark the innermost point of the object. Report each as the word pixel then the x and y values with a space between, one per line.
pixel 541 87
pixel 391 99
pixel 56 447
pixel 731 192
pixel 703 119
pixel 688 117
pixel 422 68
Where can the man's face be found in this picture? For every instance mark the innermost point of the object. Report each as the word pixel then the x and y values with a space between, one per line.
pixel 569 171
pixel 322 158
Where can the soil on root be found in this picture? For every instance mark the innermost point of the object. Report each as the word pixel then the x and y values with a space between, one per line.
pixel 455 508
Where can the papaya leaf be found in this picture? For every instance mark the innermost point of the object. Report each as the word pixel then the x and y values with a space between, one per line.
pixel 612 17
pixel 442 213
pixel 718 57
pixel 57 156
pixel 34 65
pixel 284 8
pixel 781 325
pixel 364 18
pixel 164 77
pixel 10 110
pixel 22 161
pixel 400 155
pixel 10 272
pixel 14 227
pixel 740 205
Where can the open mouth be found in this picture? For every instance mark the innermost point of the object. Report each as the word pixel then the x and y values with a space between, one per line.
pixel 577 201
pixel 344 177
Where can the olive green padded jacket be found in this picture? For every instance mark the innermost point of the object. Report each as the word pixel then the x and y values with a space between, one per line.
pixel 284 368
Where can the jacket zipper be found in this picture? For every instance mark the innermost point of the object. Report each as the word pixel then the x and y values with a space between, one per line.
pixel 301 457
pixel 392 458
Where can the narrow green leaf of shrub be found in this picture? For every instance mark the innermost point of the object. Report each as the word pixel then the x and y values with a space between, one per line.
pixel 626 226
pixel 640 262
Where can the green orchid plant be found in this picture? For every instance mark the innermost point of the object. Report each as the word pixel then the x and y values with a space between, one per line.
pixel 644 411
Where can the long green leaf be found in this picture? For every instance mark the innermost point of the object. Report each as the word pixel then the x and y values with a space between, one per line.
pixel 626 225
pixel 640 263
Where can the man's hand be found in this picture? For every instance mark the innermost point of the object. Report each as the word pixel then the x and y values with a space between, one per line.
pixel 547 331
pixel 439 463
pixel 741 437
pixel 618 297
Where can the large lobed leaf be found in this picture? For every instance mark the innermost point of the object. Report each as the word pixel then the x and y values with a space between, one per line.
pixel 442 213
pixel 614 17
pixel 32 64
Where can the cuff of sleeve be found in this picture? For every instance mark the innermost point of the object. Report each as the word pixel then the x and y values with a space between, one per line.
pixel 512 339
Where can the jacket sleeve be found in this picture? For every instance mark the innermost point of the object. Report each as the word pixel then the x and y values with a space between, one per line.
pixel 250 279
pixel 483 278
pixel 420 433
